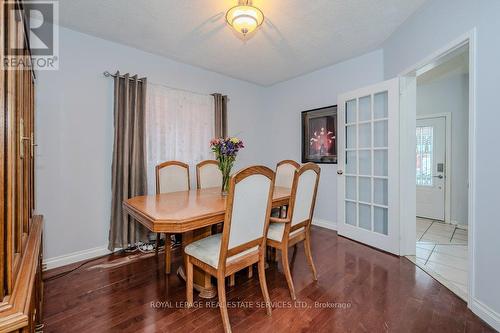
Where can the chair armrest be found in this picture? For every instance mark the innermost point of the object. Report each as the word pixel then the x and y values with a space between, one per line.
pixel 278 220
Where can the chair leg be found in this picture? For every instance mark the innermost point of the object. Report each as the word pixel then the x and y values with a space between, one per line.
pixel 168 253
pixel 307 248
pixel 232 280
pixel 221 292
pixel 189 283
pixel 286 270
pixel 158 236
pixel 263 284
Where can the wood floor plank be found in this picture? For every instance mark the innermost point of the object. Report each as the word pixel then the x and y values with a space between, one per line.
pixel 358 289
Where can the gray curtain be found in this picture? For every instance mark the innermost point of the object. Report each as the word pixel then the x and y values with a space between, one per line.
pixel 220 115
pixel 129 158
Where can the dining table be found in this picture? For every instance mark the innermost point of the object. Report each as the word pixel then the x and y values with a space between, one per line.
pixel 190 213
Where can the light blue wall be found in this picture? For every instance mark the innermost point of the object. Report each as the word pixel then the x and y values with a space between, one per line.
pixel 436 24
pixel 75 132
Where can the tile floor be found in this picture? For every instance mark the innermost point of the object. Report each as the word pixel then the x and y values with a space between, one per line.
pixel 442 252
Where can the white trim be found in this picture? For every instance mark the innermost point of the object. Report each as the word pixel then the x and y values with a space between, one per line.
pixel 447 159
pixel 73 257
pixel 472 165
pixel 485 312
pixel 407 174
pixel 325 224
pixel 470 39
pixel 459 225
pixel 442 52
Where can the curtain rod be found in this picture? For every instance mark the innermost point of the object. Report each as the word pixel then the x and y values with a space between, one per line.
pixel 108 74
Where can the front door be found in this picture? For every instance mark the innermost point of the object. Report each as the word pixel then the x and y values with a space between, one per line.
pixel 368 165
pixel 431 176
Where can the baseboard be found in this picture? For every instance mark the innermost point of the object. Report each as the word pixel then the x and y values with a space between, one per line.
pixel 73 257
pixel 458 225
pixel 485 313
pixel 325 224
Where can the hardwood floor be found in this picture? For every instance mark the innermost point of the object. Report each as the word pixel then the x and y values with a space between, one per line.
pixel 358 289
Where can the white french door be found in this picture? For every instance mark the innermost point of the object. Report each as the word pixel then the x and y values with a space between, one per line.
pixel 368 165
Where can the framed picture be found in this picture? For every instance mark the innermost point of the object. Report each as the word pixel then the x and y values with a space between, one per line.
pixel 319 135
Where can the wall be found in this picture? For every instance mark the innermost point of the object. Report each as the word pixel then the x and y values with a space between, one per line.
pixel 75 132
pixel 286 100
pixel 449 93
pixel 436 24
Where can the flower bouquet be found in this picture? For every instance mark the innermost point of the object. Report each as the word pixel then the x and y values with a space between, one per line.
pixel 225 152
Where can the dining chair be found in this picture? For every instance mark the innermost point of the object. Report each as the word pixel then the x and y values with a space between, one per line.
pixel 208 174
pixel 171 176
pixel 242 242
pixel 285 171
pixel 296 227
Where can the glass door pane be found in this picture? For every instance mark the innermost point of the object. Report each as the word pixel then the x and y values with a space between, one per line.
pixel 366 162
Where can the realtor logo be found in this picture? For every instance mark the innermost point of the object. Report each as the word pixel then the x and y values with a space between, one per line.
pixel 40 19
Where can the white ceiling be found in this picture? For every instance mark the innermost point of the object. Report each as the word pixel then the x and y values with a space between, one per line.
pixel 297 37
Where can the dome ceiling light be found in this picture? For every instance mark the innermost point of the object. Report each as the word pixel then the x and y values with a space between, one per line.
pixel 244 18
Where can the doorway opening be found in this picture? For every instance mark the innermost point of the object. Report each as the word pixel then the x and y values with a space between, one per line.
pixel 442 169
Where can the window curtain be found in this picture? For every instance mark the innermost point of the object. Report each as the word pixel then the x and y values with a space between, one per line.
pixel 220 104
pixel 128 166
pixel 179 126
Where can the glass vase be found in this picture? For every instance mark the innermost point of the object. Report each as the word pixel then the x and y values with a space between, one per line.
pixel 225 166
pixel 225 181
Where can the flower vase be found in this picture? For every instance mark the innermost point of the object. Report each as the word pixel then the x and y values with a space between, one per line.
pixel 225 181
pixel 225 150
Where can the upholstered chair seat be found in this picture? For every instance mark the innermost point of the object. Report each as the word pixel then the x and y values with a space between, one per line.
pixel 276 231
pixel 207 250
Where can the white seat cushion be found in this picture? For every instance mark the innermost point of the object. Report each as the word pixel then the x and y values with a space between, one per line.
pixel 208 250
pixel 277 229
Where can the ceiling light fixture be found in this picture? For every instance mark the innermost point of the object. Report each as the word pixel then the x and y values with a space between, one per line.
pixel 244 18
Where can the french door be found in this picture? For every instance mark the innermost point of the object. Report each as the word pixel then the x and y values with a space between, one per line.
pixel 368 165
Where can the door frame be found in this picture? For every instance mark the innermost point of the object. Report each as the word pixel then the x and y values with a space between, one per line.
pixel 408 118
pixel 447 159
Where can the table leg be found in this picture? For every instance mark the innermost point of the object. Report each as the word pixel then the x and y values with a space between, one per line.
pixel 201 280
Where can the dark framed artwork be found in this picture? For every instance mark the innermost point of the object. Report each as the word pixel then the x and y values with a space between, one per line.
pixel 319 135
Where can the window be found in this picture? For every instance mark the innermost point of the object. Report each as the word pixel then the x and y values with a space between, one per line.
pixel 179 126
pixel 425 150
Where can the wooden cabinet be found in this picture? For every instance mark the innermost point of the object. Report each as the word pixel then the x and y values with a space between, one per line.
pixel 20 229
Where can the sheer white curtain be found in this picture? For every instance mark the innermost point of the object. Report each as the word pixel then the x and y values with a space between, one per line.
pixel 179 126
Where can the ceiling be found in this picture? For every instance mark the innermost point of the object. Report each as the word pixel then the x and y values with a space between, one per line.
pixel 297 37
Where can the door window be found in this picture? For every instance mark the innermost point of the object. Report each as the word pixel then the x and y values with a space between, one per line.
pixel 425 151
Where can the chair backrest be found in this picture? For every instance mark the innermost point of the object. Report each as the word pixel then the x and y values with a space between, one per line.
pixel 208 174
pixel 303 196
pixel 172 176
pixel 248 208
pixel 285 171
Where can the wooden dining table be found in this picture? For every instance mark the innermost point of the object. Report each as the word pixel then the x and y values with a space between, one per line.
pixel 192 213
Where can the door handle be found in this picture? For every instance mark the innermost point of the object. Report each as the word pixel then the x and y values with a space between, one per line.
pixel 340 172
pixel 439 176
